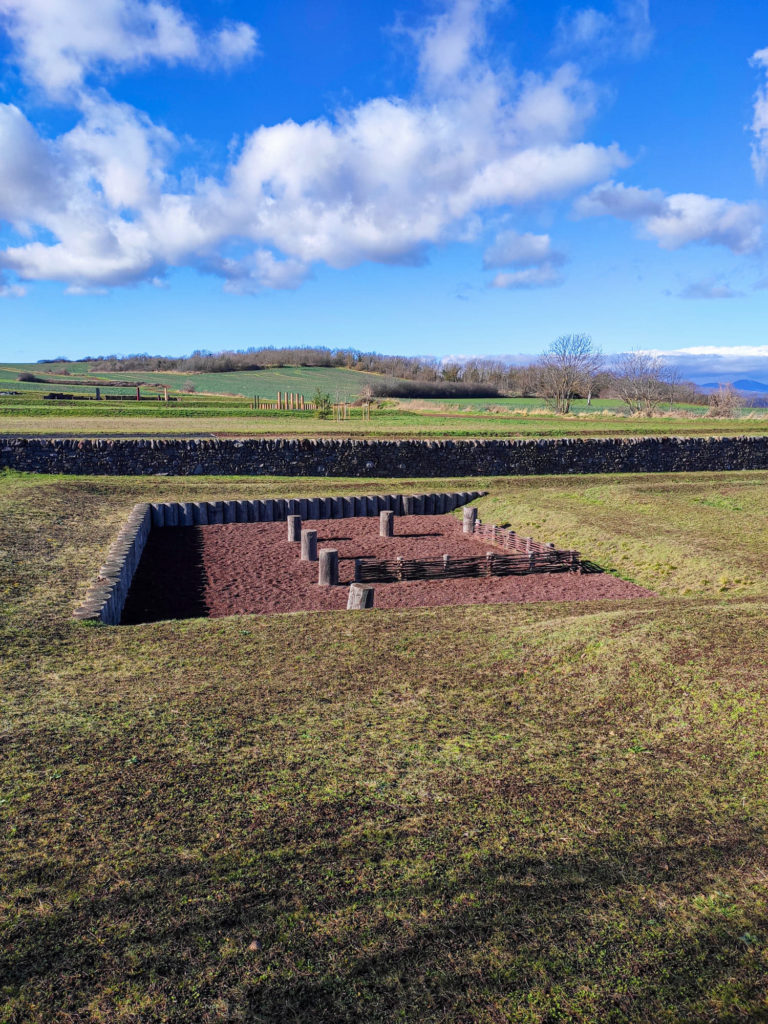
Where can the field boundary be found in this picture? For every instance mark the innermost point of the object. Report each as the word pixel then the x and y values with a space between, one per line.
pixel 376 458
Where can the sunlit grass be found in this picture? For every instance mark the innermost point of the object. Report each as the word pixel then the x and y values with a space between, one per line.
pixel 387 423
pixel 502 813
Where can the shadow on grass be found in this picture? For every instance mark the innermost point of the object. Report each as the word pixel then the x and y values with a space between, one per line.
pixel 589 568
pixel 317 918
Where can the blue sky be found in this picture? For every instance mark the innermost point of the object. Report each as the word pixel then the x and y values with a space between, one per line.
pixel 463 178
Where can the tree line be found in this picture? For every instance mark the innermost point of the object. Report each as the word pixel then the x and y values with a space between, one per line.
pixel 571 368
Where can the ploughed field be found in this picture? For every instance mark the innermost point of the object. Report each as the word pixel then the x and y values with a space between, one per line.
pixel 242 568
pixel 533 812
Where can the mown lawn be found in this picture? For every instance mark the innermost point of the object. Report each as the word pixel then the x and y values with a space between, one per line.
pixel 540 813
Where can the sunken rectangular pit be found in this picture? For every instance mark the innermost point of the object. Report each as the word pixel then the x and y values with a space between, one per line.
pixel 210 559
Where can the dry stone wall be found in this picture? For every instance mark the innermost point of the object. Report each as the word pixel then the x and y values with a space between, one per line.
pixel 347 457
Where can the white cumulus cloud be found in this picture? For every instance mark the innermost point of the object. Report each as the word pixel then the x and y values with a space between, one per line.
pixel 60 42
pixel 679 219
pixel 383 180
pixel 533 254
pixel 510 249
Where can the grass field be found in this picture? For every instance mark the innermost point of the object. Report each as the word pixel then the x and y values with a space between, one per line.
pixel 535 814
pixel 394 423
pixel 345 384
pixel 212 410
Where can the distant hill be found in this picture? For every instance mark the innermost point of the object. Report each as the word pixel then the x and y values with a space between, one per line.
pixel 751 386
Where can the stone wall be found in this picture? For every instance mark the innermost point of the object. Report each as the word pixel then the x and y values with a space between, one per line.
pixel 346 457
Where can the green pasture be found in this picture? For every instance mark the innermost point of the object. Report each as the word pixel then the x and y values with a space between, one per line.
pixel 337 382
pixel 579 406
pixel 198 419
pixel 531 814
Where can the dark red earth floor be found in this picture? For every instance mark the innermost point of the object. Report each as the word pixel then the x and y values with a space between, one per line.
pixel 244 568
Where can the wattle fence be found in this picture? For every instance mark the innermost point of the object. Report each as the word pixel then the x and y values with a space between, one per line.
pixel 522 556
pixel 511 541
pixel 396 570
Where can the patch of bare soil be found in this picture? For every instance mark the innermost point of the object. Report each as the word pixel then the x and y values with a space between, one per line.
pixel 247 568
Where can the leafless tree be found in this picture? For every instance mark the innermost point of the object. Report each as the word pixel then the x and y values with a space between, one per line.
pixel 726 401
pixel 567 369
pixel 640 380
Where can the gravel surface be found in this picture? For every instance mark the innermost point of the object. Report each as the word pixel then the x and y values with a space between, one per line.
pixel 245 568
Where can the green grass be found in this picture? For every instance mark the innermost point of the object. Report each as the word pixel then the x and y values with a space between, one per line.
pixel 223 414
pixel 221 406
pixel 266 383
pixel 200 420
pixel 579 405
pixel 535 814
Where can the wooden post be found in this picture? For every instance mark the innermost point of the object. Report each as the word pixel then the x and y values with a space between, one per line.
pixel 328 567
pixel 165 392
pixel 98 394
pixel 301 402
pixel 309 545
pixel 279 398
pixel 294 528
pixel 359 597
pixel 489 563
pixel 470 516
pixel 386 524
pixel 400 568
pixel 138 394
pixel 446 561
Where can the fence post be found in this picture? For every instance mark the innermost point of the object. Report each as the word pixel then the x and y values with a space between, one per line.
pixel 294 527
pixel 309 545
pixel 386 524
pixel 359 597
pixel 328 567
pixel 400 568
pixel 489 555
pixel 470 517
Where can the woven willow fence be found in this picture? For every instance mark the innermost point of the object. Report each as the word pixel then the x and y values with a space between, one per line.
pixel 371 570
pixel 509 540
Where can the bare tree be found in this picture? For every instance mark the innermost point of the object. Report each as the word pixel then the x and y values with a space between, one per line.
pixel 726 401
pixel 673 379
pixel 567 369
pixel 640 381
